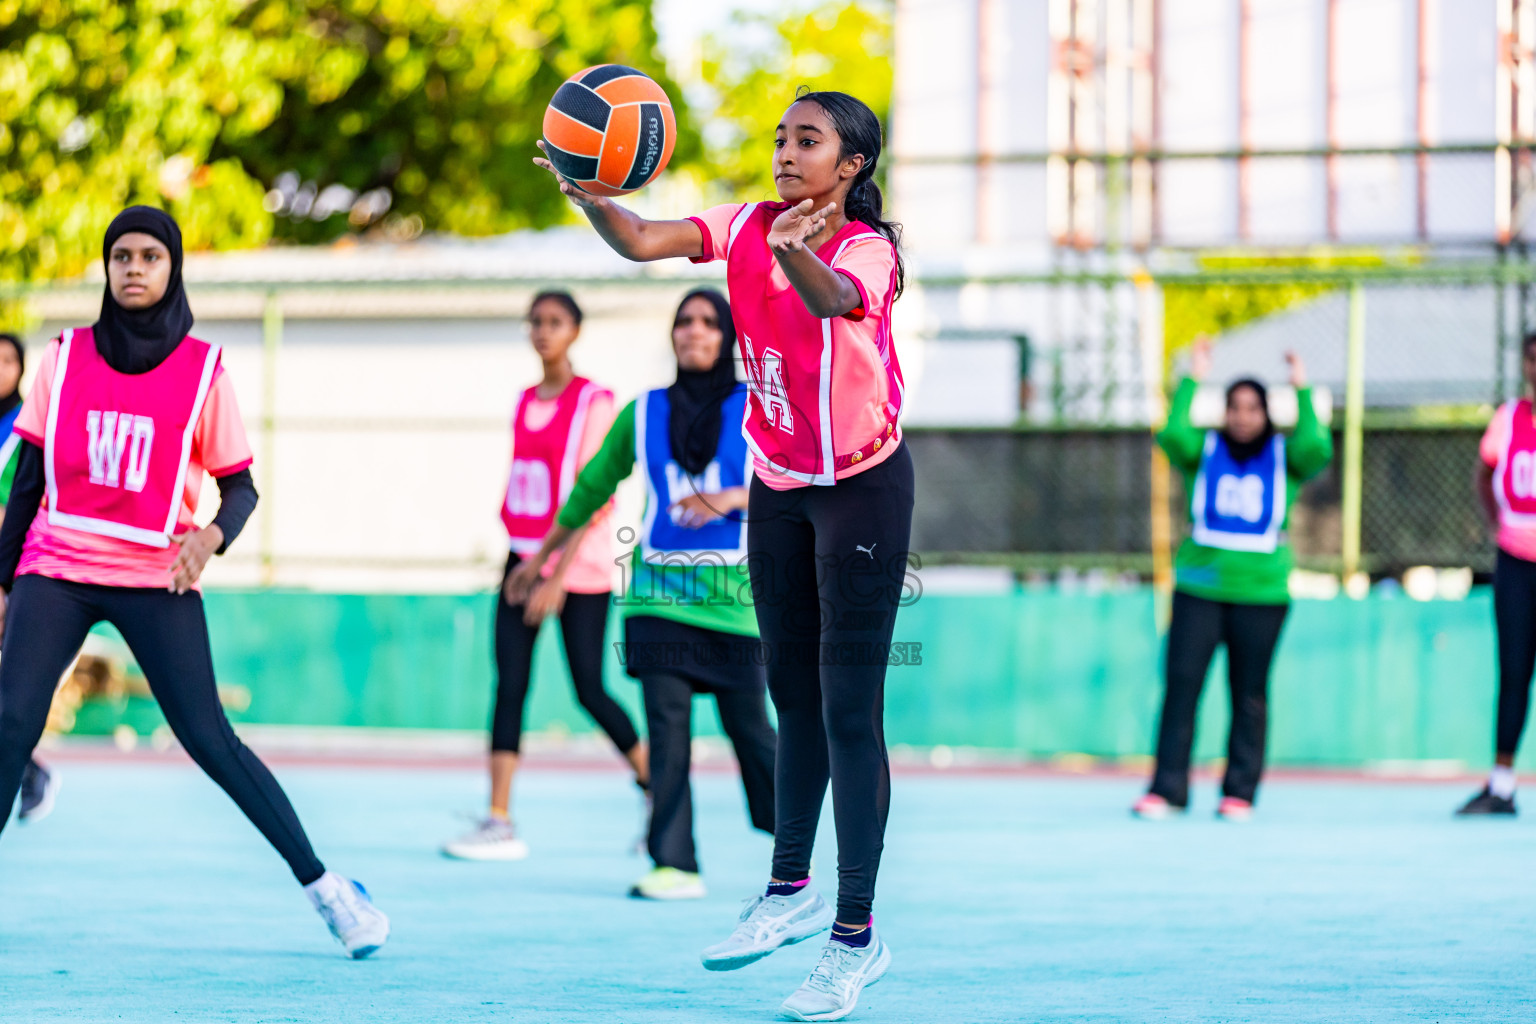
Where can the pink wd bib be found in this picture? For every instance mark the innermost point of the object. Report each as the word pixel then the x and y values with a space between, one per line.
pixel 544 463
pixel 787 352
pixel 117 445
pixel 1514 479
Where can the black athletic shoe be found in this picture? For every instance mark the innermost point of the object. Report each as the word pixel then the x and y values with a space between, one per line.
pixel 38 788
pixel 1486 803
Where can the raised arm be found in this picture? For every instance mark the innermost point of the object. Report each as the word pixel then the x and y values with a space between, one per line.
pixel 1180 439
pixel 1311 447
pixel 629 234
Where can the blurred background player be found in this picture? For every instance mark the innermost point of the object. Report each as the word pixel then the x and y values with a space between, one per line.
pixel 1505 483
pixel 39 783
pixel 687 627
pixel 113 539
pixel 558 426
pixel 811 281
pixel 1231 573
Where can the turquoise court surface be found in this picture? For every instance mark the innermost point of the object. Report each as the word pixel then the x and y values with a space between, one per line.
pixel 1013 897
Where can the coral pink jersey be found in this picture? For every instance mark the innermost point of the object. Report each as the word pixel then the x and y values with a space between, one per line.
pixel 1509 448
pixel 551 440
pixel 124 456
pixel 825 395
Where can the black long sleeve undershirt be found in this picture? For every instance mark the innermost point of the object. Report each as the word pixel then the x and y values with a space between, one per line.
pixel 237 500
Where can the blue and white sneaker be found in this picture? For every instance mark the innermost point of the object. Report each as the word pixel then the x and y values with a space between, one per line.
pixel 767 923
pixel 358 925
pixel 832 990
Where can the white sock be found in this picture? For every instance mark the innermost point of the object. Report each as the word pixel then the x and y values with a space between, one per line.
pixel 324 888
pixel 1501 782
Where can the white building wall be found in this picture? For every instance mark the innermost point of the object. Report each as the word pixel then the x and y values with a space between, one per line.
pixel 939 99
pixel 942 113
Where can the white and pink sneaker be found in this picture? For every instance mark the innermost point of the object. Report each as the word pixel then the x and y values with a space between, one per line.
pixel 1233 809
pixel 1154 808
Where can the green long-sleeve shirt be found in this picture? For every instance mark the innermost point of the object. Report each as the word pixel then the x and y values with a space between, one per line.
pixel 1242 577
pixel 707 596
pixel 10 453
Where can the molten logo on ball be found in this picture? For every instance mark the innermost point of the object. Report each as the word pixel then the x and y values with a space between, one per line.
pixel 609 130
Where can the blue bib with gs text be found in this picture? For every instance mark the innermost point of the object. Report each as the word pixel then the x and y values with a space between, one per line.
pixel 1239 506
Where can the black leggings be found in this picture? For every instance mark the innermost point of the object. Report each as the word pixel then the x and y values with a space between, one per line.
pixel 668 718
pixel 828 566
pixel 1514 613
pixel 46 623
pixel 583 623
pixel 1250 632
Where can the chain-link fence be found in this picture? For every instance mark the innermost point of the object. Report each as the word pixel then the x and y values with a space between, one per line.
pixel 1414 357
pixel 378 412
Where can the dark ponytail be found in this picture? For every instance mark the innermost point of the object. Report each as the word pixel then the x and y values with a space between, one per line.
pixel 859 129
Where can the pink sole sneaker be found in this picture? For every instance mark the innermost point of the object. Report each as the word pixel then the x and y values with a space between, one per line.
pixel 1153 808
pixel 1233 809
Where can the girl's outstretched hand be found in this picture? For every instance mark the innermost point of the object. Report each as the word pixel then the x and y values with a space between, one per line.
pixel 1200 358
pixel 1298 369
pixel 791 228
pixel 571 192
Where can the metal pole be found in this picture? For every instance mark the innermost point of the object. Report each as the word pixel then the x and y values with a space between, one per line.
pixel 1503 359
pixel 1330 118
pixel 1354 419
pixel 271 342
pixel 1244 117
pixel 1422 100
pixel 985 86
pixel 1154 370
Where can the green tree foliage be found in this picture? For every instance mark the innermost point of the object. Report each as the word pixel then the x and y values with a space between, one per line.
pixel 438 102
pixel 200 105
pixel 103 104
pixel 843 45
pixel 1193 309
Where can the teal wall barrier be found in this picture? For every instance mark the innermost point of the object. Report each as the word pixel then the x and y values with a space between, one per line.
pixel 1035 673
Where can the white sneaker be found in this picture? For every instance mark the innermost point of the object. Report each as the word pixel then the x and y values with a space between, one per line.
pixel 832 990
pixel 768 922
pixel 669 884
pixel 39 789
pixel 358 925
pixel 492 839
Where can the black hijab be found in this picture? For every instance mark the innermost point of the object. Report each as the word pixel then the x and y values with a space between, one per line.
pixel 12 400
pixel 138 340
pixel 696 397
pixel 1242 451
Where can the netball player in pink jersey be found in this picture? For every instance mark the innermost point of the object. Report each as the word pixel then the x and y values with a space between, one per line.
pixel 1505 484
pixel 558 425
pixel 124 418
pixel 811 280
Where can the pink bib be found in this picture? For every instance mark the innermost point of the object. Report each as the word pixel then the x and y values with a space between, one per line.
pixel 788 354
pixel 1514 479
pixel 544 463
pixel 117 445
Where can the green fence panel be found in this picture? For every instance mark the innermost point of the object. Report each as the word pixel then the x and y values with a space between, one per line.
pixel 1035 672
